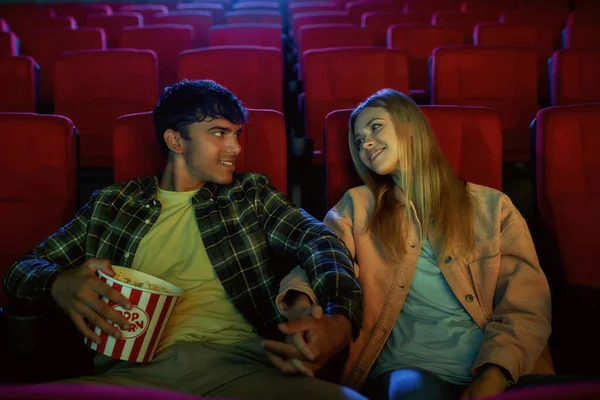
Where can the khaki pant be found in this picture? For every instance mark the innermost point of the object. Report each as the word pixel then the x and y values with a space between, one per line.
pixel 241 371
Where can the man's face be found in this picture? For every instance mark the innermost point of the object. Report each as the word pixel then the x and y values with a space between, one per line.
pixel 211 151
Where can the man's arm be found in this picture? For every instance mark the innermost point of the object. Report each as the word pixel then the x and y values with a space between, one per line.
pixel 31 277
pixel 297 236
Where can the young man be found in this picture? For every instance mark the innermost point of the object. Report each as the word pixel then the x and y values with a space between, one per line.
pixel 226 239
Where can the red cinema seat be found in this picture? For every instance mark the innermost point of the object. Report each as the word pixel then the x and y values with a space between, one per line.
pixel 167 41
pixel 47 47
pixel 41 194
pixel 470 137
pixel 266 35
pixel 19 80
pixel 322 36
pixel 419 41
pixel 263 142
pixel 325 76
pixel 113 24
pixel 568 186
pixel 201 21
pixel 378 22
pixel 574 77
pixel 465 21
pixel 216 10
pixel 253 17
pixel 534 37
pixel 504 79
pixel 582 37
pixel 93 88
pixel 258 85
pixel 9 44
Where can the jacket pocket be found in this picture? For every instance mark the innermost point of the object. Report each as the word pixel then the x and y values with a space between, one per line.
pixel 483 269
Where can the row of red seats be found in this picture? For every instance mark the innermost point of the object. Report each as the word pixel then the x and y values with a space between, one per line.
pixel 504 79
pixel 126 81
pixel 568 170
pixel 501 78
pixel 83 14
pixel 419 41
pixel 377 19
pixel 166 40
pixel 41 194
pixel 113 24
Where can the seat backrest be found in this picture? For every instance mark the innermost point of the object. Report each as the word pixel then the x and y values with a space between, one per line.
pixel 465 21
pixel 493 6
pixel 528 36
pixel 335 79
pixel 253 17
pixel 356 8
pixel 137 153
pixel 41 194
pixel 46 47
pixel 470 137
pixel 27 28
pixel 19 82
pixel 543 6
pixel 419 41
pixel 9 44
pixel 259 84
pixel 15 14
pixel 322 36
pixel 167 41
pixel 201 21
pixel 3 25
pixel 505 79
pixel 584 18
pixel 378 22
pixel 266 35
pixel 216 10
pixel 256 5
pixel 320 17
pixel 80 11
pixel 311 6
pixel 574 77
pixel 582 37
pixel 551 19
pixel 568 185
pixel 587 6
pixel 148 11
pixel 431 6
pixel 121 81
pixel 535 37
pixel 114 23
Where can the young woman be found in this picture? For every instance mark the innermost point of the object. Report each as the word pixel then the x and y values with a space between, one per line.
pixel 455 304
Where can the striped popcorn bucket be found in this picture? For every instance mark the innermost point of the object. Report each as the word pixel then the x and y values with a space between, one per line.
pixel 147 318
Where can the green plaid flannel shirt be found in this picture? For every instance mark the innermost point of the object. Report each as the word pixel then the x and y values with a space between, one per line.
pixel 252 234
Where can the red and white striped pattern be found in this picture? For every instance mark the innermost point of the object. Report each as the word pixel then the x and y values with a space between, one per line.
pixel 133 346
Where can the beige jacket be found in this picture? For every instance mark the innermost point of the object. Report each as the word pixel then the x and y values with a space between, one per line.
pixel 501 284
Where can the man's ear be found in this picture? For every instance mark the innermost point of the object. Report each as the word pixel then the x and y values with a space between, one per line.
pixel 174 141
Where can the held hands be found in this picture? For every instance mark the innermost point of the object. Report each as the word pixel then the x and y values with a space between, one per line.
pixel 490 382
pixel 312 338
pixel 77 292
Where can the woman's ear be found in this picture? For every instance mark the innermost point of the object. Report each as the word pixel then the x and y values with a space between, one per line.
pixel 174 141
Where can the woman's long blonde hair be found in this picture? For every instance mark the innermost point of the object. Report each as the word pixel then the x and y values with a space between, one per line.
pixel 427 180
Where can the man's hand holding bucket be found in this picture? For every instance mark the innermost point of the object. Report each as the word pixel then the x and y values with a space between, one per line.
pixel 78 292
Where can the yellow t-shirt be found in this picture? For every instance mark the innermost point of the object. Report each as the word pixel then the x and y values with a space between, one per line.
pixel 173 251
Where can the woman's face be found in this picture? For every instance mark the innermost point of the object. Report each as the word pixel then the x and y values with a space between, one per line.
pixel 377 141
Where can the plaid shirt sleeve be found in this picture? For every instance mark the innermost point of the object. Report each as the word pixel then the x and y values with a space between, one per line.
pixel 31 277
pixel 295 234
